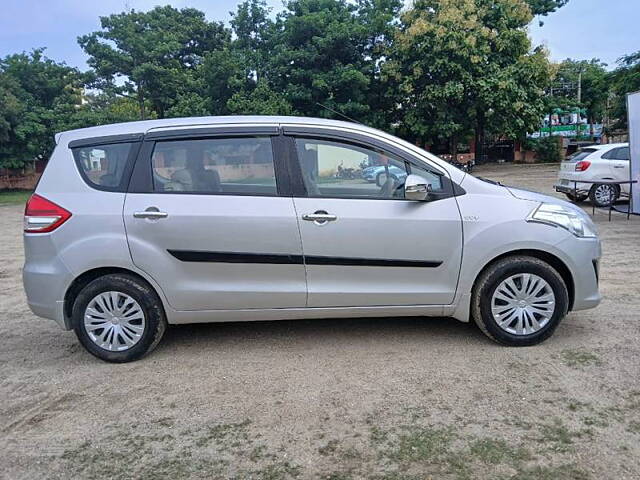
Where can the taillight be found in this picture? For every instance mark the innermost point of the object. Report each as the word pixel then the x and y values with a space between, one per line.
pixel 582 165
pixel 42 215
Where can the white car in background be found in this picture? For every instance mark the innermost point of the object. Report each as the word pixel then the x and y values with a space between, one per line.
pixel 595 165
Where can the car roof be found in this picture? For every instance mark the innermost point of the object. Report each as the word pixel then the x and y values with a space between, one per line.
pixel 607 146
pixel 144 126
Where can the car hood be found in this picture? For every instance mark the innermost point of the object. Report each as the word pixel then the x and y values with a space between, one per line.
pixel 523 194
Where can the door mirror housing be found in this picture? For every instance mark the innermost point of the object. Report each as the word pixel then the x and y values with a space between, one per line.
pixel 417 188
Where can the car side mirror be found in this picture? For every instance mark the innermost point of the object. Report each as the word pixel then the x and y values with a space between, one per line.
pixel 417 188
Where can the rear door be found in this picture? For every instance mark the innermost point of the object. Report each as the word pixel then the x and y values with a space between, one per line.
pixel 364 244
pixel 618 160
pixel 208 217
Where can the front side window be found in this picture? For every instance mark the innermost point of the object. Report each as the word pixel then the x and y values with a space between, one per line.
pixel 103 166
pixel 337 169
pixel 242 166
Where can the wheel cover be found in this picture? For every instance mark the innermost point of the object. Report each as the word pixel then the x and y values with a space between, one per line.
pixel 523 304
pixel 114 321
pixel 604 194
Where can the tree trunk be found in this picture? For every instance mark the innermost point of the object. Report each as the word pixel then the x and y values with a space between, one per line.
pixel 481 156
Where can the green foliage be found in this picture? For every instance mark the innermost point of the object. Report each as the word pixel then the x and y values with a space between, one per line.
pixel 594 81
pixel 545 7
pixel 625 79
pixel 465 65
pixel 38 96
pixel 547 149
pixel 156 53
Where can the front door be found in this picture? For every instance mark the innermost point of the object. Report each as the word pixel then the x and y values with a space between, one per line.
pixel 211 228
pixel 364 244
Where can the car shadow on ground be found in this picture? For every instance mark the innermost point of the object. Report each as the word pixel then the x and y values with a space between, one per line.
pixel 322 332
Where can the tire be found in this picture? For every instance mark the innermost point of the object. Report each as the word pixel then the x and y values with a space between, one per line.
pixel 492 279
pixel 139 318
pixel 574 198
pixel 597 194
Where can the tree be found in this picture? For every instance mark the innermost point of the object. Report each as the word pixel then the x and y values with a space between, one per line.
pixel 317 58
pixel 38 96
pixel 588 76
pixel 152 56
pixel 465 65
pixel 545 7
pixel 625 79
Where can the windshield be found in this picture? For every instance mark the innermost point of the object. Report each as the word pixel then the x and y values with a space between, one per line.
pixel 580 155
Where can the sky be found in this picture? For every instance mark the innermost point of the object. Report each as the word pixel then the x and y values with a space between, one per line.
pixel 583 29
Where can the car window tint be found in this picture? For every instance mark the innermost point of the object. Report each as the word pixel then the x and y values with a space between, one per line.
pixel 337 169
pixel 103 165
pixel 623 153
pixel 611 154
pixel 433 179
pixel 242 166
pixel 580 155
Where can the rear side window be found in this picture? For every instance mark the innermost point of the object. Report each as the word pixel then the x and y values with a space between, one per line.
pixel 580 155
pixel 235 166
pixel 103 166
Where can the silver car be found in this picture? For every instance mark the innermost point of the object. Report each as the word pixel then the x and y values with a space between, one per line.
pixel 138 225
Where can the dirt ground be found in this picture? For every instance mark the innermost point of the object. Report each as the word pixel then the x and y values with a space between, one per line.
pixel 344 399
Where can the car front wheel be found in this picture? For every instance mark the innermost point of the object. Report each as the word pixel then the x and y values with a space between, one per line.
pixel 519 301
pixel 118 318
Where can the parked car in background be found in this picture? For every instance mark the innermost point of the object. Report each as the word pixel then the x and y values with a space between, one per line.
pixel 594 165
pixel 243 218
pixel 378 174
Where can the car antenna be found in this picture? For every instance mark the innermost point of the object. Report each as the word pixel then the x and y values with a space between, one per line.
pixel 339 113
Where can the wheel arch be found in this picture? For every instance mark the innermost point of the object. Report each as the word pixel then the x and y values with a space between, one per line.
pixel 547 257
pixel 87 277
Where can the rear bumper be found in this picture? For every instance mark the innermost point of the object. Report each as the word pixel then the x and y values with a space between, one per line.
pixel 45 278
pixel 580 188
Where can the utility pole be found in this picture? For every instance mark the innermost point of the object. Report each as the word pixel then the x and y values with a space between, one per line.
pixel 580 86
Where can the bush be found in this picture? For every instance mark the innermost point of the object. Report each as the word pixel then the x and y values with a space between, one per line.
pixel 547 149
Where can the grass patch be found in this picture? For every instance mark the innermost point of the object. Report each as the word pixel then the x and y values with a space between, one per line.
pixel 580 358
pixel 14 197
pixel 421 444
pixel 558 436
pixel 493 451
pixel 564 472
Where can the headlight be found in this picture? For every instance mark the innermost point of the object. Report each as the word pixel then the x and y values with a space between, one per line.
pixel 577 222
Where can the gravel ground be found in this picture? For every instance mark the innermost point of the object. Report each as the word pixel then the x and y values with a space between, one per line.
pixel 338 399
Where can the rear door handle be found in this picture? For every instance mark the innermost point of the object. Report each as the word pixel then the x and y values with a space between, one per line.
pixel 618 166
pixel 151 214
pixel 319 218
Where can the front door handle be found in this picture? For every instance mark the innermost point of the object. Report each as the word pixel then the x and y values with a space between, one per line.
pixel 151 212
pixel 319 217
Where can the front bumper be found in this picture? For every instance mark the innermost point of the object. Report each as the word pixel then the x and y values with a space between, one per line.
pixel 582 257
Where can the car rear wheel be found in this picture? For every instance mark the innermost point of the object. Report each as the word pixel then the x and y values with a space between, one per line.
pixel 118 318
pixel 519 301
pixel 604 194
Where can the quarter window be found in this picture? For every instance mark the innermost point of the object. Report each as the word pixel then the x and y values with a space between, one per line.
pixel 103 166
pixel 242 166
pixel 337 169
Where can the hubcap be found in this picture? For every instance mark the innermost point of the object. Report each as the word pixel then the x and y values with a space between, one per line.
pixel 114 321
pixel 523 304
pixel 604 194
